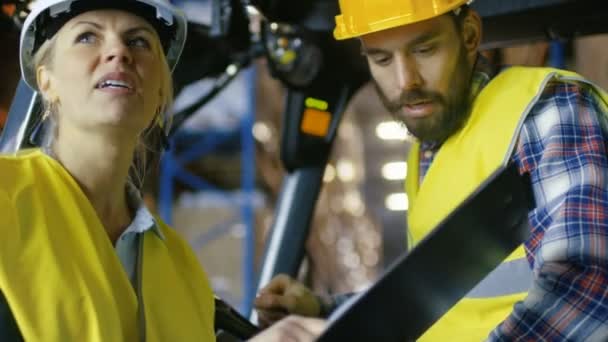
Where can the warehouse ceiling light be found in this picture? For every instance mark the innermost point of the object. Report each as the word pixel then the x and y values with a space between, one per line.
pixel 397 202
pixel 262 132
pixel 346 170
pixel 394 171
pixel 330 174
pixel 252 11
pixel 391 130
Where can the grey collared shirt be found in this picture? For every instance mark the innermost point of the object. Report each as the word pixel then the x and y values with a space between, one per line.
pixel 126 244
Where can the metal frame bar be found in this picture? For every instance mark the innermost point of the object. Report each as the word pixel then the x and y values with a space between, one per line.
pixel 16 127
pixel 172 170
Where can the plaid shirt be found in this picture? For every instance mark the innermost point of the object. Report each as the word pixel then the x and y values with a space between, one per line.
pixel 562 145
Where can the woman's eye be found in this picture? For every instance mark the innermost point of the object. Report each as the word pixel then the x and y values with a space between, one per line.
pixel 139 42
pixel 86 38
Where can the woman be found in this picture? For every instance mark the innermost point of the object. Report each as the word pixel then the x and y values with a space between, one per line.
pixel 81 258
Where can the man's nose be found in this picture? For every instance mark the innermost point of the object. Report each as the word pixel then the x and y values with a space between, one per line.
pixel 408 75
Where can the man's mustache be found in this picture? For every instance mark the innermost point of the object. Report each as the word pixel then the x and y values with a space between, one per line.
pixel 413 97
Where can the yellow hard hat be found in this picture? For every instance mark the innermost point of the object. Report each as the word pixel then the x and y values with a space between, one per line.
pixel 360 17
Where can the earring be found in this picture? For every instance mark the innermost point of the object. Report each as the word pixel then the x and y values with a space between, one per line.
pixel 49 110
pixel 36 131
pixel 159 123
pixel 46 114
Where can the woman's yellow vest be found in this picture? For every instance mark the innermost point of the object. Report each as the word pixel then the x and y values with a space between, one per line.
pixel 463 162
pixel 63 280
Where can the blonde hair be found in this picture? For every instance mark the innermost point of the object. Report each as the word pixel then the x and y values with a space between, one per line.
pixel 151 140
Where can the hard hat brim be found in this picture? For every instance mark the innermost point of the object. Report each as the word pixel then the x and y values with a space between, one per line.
pixel 347 27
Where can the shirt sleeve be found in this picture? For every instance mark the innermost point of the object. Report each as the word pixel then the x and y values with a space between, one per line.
pixel 562 146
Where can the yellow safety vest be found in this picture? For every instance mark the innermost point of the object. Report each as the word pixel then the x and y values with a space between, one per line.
pixel 463 162
pixel 63 280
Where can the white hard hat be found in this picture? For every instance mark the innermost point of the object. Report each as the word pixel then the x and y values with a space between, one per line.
pixel 47 17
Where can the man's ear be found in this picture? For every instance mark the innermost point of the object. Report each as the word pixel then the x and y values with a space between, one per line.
pixel 45 84
pixel 471 33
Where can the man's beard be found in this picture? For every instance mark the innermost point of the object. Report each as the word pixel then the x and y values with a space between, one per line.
pixel 453 111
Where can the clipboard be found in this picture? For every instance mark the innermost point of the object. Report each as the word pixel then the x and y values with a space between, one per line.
pixel 422 285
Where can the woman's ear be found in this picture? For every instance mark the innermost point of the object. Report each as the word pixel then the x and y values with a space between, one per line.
pixel 471 33
pixel 44 81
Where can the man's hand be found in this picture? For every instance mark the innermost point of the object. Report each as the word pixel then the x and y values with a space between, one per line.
pixel 293 329
pixel 284 296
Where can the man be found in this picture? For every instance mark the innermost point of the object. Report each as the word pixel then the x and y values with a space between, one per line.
pixel 470 120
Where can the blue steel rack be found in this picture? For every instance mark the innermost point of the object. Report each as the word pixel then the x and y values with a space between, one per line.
pixel 173 170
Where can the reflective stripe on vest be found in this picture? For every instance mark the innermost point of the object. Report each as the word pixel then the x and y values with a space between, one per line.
pixel 510 277
pixel 463 162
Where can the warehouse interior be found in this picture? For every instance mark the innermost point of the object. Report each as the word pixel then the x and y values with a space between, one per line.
pixel 239 173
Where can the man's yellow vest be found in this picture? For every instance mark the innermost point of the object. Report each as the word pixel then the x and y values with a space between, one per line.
pixel 463 162
pixel 63 280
